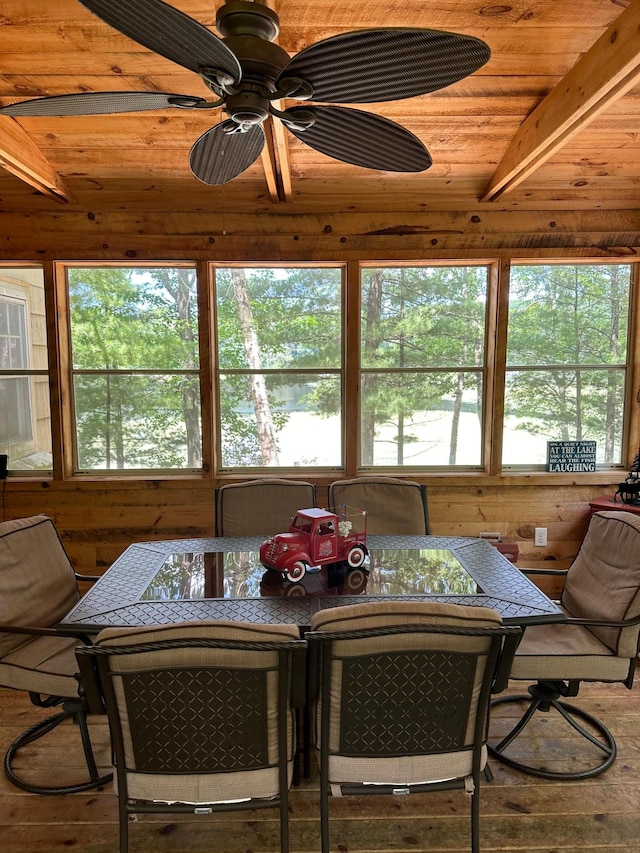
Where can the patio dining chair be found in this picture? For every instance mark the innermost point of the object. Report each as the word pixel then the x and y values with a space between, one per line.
pixel 38 586
pixel 597 642
pixel 201 715
pixel 403 691
pixel 261 507
pixel 393 505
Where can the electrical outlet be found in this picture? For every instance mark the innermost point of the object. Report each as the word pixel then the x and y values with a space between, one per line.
pixel 540 536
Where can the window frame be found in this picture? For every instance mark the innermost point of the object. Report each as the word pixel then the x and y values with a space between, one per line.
pixel 22 291
pixel 218 372
pixel 493 471
pixel 631 372
pixel 20 375
pixel 69 429
pixel 487 370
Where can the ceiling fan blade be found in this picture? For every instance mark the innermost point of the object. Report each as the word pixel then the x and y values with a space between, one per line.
pixel 100 103
pixel 369 66
pixel 361 138
pixel 169 32
pixel 219 155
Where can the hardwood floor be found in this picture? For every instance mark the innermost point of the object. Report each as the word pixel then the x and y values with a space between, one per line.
pixel 519 813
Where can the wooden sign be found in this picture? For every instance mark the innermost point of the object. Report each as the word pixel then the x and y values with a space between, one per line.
pixel 571 457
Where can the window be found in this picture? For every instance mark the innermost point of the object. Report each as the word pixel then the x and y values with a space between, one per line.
pixel 279 333
pixel 25 418
pixel 422 365
pixel 135 367
pixel 566 359
pixel 15 390
pixel 412 385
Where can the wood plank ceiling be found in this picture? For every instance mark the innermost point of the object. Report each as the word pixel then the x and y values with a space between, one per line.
pixel 552 122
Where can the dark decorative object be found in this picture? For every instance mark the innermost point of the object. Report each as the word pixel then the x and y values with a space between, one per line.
pixel 629 491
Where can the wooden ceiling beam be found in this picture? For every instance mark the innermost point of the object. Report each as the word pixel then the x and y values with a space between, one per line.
pixel 275 160
pixel 603 74
pixel 22 157
pixel 269 162
pixel 282 150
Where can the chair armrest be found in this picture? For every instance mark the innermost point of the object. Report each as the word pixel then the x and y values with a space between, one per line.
pixel 87 578
pixel 299 676
pixel 558 573
pixel 40 631
pixel 602 623
pixel 503 670
pixel 89 682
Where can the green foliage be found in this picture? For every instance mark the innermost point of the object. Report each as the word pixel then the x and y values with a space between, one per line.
pixel 126 319
pixel 568 337
pixel 422 341
pixel 296 319
pixel 135 356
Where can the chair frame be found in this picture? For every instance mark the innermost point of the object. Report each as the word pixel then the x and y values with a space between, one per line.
pixel 545 695
pixel 74 707
pixel 291 667
pixel 504 641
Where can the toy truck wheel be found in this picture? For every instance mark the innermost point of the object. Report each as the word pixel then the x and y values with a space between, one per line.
pixel 355 557
pixel 297 571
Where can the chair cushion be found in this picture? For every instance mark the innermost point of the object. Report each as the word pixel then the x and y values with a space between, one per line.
pixel 206 786
pixel 604 579
pixel 404 769
pixel 375 614
pixel 44 665
pixel 261 507
pixel 393 505
pixel 37 582
pixel 409 768
pixel 558 652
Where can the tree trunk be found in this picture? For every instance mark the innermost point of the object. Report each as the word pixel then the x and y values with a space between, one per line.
pixel 372 341
pixel 181 294
pixel 259 397
pixel 455 420
pixel 611 410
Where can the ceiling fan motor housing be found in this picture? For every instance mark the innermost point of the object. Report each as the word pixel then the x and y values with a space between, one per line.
pixel 245 18
pixel 249 106
pixel 248 30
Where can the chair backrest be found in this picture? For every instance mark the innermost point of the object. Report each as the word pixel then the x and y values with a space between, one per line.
pixel 261 507
pixel 392 505
pixel 37 582
pixel 405 689
pixel 604 579
pixel 199 712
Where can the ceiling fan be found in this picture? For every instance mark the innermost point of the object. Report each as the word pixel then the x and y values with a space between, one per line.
pixel 248 73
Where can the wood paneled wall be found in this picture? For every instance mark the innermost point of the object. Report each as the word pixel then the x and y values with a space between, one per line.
pixel 98 520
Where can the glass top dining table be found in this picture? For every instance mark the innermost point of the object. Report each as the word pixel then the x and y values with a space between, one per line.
pixel 185 580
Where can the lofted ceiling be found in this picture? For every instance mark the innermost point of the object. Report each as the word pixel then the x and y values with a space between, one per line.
pixel 552 121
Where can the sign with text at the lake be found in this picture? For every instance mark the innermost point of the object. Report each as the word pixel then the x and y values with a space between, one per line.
pixel 571 457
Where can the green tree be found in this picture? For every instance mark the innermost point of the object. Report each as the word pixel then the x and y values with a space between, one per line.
pixel 135 357
pixel 422 348
pixel 568 339
pixel 278 331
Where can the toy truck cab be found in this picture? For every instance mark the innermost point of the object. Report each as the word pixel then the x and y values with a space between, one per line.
pixel 317 537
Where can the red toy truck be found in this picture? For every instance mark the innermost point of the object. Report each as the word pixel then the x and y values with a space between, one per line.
pixel 317 537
